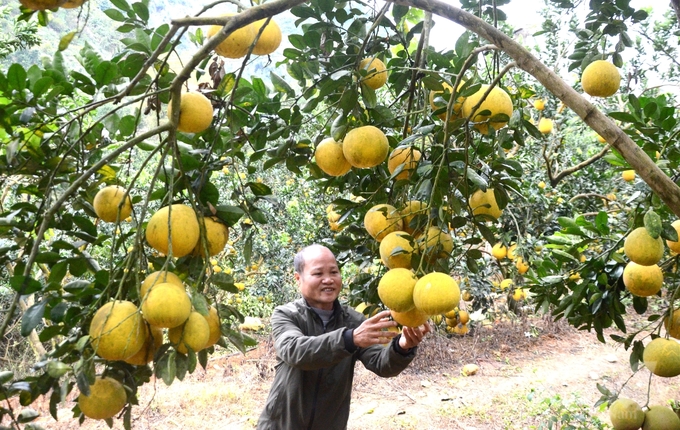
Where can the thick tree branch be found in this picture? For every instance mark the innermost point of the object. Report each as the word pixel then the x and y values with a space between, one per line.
pixel 675 4
pixel 657 180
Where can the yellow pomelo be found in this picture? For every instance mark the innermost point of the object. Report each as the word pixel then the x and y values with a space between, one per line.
pixel 435 243
pixel 626 414
pixel 459 329
pixel 457 105
pixel 601 79
pixel 484 203
pixel 269 40
pixel 215 326
pixel 506 283
pixel 451 322
pixel 675 246
pixel 107 398
pixel 157 278
pixel 395 289
pixel 382 220
pixel 521 266
pixel 377 74
pixel 217 235
pixel 519 294
pixel 642 248
pixel 194 333
pixel 331 214
pixel 330 158
pixel 661 418
pixel 72 4
pixel 236 45
pixel 184 229
pixel 499 251
pixel 662 357
pixel 497 102
pixel 601 139
pixel 545 125
pixel 154 340
pixel 41 4
pixel 409 212
pixel 396 250
pixel 539 104
pixel 195 112
pixel 361 308
pixel 628 175
pixel 166 306
pixel 467 296
pixel 511 251
pixel 407 157
pixel 463 317
pixel 365 146
pixel 108 199
pixel 413 318
pixel 117 330
pixel 643 281
pixel 672 324
pixel 436 293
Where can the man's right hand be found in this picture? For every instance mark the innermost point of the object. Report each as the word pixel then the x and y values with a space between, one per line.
pixel 371 331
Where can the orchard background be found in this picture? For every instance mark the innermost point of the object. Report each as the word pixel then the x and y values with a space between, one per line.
pixel 84 94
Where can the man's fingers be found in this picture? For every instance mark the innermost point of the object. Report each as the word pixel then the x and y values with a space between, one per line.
pixel 379 316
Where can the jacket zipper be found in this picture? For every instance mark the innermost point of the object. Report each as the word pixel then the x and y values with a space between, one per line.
pixel 318 381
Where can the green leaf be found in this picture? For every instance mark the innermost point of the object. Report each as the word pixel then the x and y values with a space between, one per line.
pixel 115 15
pixel 326 5
pixel 200 303
pixel 27 415
pixel 16 77
pixel 668 232
pixel 105 73
pixel 602 222
pixel 32 317
pixel 24 285
pixel 65 41
pixel 281 85
pixel 259 189
pixel 368 95
pixel 223 282
pixel 141 10
pixel 652 222
pixel 229 214
pixel 210 193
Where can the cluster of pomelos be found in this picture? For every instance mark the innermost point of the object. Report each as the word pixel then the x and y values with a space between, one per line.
pixel 626 414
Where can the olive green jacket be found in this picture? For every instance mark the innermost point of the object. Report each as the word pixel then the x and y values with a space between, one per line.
pixel 315 367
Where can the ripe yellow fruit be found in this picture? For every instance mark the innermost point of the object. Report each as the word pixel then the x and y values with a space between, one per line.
pixel 413 318
pixel 396 250
pixel 435 243
pixel 41 4
pixel 661 418
pixel 499 251
pixel 601 79
pixel 541 185
pixel 395 289
pixel 675 246
pixel 215 327
pixel 519 294
pixel 157 278
pixel 463 317
pixel 672 324
pixel 459 329
pixel 365 146
pixel 511 251
pixel 107 398
pixel 166 306
pixel 545 125
pixel 662 357
pixel 269 40
pixel 108 199
pixel 330 158
pixel 457 105
pixel 521 266
pixel 407 157
pixel 642 248
pixel 626 414
pixel 628 175
pixel 382 220
pixel 497 102
pixel 412 209
pixel 539 104
pixel 237 44
pixel 194 333
pixel 506 283
pixel 643 281
pixel 436 293
pixel 217 236
pixel 361 307
pixel 72 4
pixel 184 229
pixel 377 73
pixel 195 112
pixel 484 203
pixel 601 139
pixel 117 330
pixel 154 340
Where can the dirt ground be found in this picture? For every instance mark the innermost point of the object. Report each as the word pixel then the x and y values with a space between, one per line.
pixel 522 365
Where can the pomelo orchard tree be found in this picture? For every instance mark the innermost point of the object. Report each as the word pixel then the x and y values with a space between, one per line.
pixel 480 166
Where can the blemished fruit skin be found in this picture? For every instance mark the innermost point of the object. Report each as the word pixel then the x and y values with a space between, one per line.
pixel 157 278
pixel 626 414
pixel 660 418
pixel 269 40
pixel 545 125
pixel 154 340
pixel 185 230
pixel 166 306
pixel 117 330
pixel 382 220
pixel 106 203
pixel 107 398
pixel 601 79
pixel 662 357
pixel 396 250
pixel 330 158
pixel 484 203
pixel 214 324
pixel 195 112
pixel 497 102
pixel 675 246
pixel 436 293
pixel 406 156
pixel 672 324
pixel 194 333
pixel 41 4
pixel 642 281
pixel 413 318
pixel 217 235
pixel 395 289
pixel 642 248
pixel 365 146
pixel 236 45
pixel 376 78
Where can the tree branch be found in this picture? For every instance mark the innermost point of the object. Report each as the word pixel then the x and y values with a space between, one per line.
pixel 554 180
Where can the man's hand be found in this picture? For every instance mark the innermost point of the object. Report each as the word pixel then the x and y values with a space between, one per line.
pixel 412 336
pixel 370 332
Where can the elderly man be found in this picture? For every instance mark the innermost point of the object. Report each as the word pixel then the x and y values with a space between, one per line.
pixel 317 342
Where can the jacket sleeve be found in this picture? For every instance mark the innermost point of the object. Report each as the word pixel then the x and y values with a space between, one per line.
pixel 305 352
pixel 385 361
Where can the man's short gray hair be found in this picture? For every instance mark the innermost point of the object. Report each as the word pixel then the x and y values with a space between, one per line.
pixel 299 260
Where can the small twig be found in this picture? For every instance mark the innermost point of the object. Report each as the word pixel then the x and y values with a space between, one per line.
pixel 554 180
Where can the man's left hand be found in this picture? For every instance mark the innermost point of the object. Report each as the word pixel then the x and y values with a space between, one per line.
pixel 412 336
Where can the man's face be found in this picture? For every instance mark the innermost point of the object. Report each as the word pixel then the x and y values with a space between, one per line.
pixel 320 281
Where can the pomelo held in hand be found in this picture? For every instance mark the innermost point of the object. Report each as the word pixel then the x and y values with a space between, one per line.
pixel 436 293
pixel 395 289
